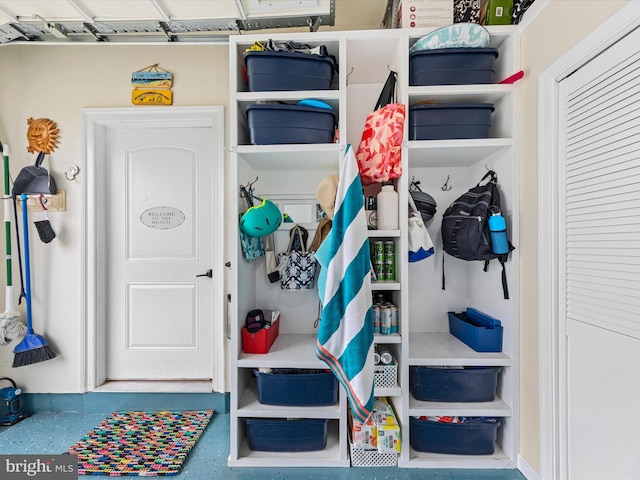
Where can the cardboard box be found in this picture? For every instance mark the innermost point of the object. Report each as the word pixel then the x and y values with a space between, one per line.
pixel 389 439
pixel 363 435
pixel 499 12
pixel 425 13
pixel 387 426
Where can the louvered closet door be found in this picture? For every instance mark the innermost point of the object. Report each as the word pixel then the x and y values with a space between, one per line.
pixel 600 263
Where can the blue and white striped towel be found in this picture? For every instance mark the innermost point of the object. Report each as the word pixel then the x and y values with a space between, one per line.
pixel 345 334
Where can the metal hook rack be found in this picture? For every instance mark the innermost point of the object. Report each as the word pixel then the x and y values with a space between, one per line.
pixel 446 187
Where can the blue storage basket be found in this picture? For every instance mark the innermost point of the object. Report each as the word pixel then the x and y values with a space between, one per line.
pixel 481 339
pixel 297 389
pixel 469 384
pixel 271 124
pixel 283 435
pixel 453 438
pixel 278 71
pixel 445 121
pixel 452 66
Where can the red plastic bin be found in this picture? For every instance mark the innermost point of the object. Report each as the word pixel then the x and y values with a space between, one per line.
pixel 260 341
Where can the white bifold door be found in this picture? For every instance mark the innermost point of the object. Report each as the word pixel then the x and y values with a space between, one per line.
pixel 599 265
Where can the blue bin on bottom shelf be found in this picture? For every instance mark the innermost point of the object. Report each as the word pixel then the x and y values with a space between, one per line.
pixel 453 438
pixel 283 435
pixel 468 384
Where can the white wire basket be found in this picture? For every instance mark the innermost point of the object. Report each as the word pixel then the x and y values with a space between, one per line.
pixel 371 458
pixel 385 376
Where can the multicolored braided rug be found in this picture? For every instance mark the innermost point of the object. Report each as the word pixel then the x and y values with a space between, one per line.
pixel 140 443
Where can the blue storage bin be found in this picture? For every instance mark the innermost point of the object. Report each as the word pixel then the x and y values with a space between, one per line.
pixel 271 124
pixel 282 435
pixel 453 438
pixel 278 71
pixel 282 387
pixel 442 121
pixel 481 339
pixel 452 66
pixel 469 384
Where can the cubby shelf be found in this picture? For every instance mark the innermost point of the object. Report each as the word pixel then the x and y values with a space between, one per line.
pixel 289 174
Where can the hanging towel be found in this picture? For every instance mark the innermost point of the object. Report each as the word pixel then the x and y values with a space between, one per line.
pixel 345 334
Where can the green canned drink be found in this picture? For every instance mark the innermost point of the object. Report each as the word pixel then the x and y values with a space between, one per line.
pixel 389 251
pixel 377 253
pixel 390 270
pixel 378 268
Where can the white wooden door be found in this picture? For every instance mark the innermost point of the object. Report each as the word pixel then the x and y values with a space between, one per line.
pixel 600 265
pixel 159 224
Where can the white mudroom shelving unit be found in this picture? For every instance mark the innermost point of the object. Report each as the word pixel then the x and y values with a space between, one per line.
pixel 289 175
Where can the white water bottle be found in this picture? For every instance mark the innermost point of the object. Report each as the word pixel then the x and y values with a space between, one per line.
pixel 387 201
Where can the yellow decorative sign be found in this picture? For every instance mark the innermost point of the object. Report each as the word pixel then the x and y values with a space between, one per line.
pixel 152 86
pixel 144 96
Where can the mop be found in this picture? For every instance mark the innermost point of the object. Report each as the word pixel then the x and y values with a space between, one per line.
pixel 33 347
pixel 10 325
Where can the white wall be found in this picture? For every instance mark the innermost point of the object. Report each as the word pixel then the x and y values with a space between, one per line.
pixel 56 82
pixel 558 28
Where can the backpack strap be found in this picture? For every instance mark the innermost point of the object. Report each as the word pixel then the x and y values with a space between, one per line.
pixel 505 288
pixel 443 271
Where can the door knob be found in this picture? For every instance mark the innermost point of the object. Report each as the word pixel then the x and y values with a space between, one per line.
pixel 209 274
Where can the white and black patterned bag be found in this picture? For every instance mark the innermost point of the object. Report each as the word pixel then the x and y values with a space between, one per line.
pixel 297 267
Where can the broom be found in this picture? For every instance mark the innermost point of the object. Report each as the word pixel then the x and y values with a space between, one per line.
pixel 10 325
pixel 33 347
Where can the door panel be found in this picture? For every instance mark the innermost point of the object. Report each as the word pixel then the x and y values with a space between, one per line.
pixel 160 229
pixel 600 271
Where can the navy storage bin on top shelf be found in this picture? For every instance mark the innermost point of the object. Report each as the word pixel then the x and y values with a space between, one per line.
pixel 453 438
pixel 446 121
pixel 271 124
pixel 297 389
pixel 452 66
pixel 469 384
pixel 282 435
pixel 282 71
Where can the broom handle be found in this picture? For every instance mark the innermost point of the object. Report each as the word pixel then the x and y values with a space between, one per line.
pixel 9 302
pixel 27 263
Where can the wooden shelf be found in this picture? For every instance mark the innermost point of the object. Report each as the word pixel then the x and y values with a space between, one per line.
pixel 499 459
pixel 288 351
pixel 288 158
pixel 442 348
pixel 249 406
pixel 496 408
pixel 454 153
pixel 329 457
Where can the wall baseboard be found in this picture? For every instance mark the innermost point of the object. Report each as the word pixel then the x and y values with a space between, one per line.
pixel 527 470
pixel 121 401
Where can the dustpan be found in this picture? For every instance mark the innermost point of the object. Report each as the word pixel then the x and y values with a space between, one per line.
pixel 34 179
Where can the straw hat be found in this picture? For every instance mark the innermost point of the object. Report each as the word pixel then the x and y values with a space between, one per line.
pixel 326 194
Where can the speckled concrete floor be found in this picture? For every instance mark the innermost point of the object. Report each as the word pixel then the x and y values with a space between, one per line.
pixel 54 432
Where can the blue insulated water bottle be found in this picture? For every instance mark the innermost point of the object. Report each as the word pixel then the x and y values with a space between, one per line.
pixel 498 232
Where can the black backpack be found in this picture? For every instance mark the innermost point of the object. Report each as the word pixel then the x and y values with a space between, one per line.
pixel 465 226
